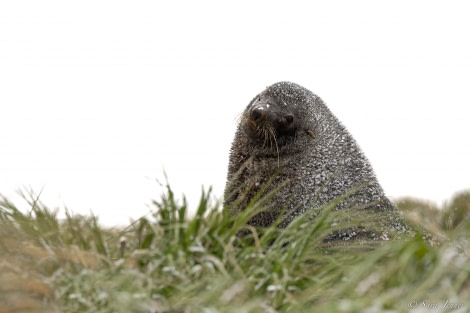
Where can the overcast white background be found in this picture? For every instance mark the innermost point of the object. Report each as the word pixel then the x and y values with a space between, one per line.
pixel 97 98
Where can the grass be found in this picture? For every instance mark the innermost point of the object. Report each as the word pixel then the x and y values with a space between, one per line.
pixel 170 262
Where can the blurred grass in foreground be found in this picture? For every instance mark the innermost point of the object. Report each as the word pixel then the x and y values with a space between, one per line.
pixel 174 263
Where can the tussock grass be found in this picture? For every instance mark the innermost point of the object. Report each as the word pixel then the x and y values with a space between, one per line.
pixel 169 262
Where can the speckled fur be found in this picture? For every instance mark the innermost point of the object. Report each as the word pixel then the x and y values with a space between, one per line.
pixel 315 164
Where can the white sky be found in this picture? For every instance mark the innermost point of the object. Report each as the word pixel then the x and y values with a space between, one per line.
pixel 98 97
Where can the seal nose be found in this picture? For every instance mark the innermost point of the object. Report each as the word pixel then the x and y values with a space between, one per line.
pixel 257 113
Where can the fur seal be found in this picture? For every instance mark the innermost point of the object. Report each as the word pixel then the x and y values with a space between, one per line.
pixel 289 145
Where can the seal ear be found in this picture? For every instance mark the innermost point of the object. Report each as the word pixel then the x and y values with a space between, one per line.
pixel 310 133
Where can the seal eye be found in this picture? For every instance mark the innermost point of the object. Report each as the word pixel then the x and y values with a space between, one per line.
pixel 288 119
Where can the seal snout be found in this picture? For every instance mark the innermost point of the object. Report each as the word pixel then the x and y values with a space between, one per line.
pixel 257 117
pixel 259 112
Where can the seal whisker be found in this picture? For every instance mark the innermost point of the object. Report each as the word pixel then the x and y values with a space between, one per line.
pixel 240 118
pixel 273 136
pixel 269 136
pixel 261 133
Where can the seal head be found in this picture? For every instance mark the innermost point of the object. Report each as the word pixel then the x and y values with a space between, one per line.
pixel 270 125
pixel 273 122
